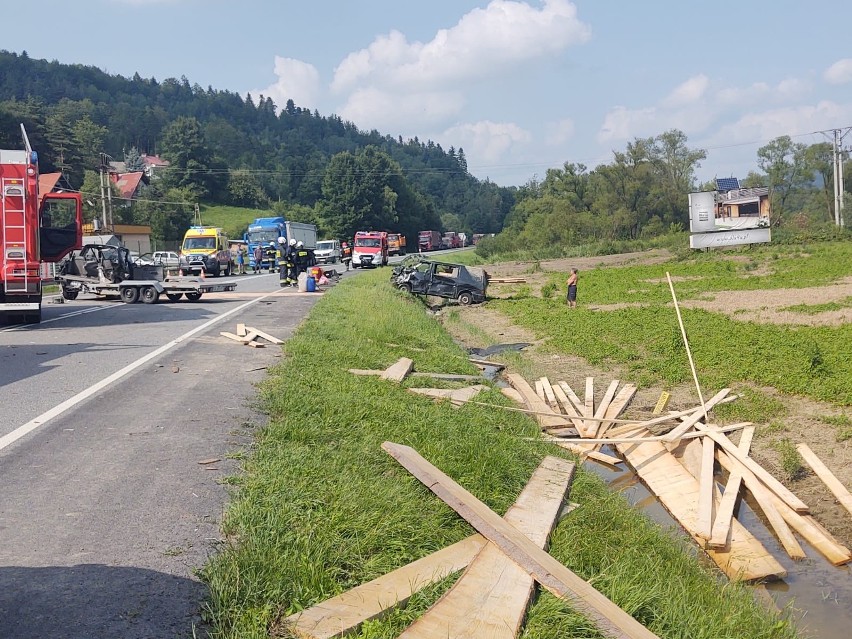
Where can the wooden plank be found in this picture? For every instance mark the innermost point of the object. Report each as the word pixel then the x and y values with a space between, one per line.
pixel 773 484
pixel 585 451
pixel 241 330
pixel 399 370
pixel 549 397
pixel 569 392
pixel 639 439
pixel 704 525
pixel 490 599
pixel 611 620
pixel 661 404
pixel 514 395
pixel 615 408
pixel 805 525
pixel 603 406
pixel 589 406
pixel 365 371
pixel 675 435
pixel 269 338
pixel 568 407
pixel 677 490
pixel 255 344
pixel 763 497
pixel 237 338
pixel 725 512
pixel 452 394
pixel 539 390
pixel 837 489
pixel 547 419
pixel 345 612
pixel 485 362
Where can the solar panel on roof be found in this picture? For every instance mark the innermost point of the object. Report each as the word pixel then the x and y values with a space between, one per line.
pixel 727 184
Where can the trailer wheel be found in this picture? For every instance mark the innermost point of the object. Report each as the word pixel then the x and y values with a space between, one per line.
pixel 150 295
pixel 465 298
pixel 129 294
pixel 193 297
pixel 174 297
pixel 70 294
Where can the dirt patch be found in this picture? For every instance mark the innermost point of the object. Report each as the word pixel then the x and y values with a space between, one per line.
pixel 563 265
pixel 767 306
pixel 480 327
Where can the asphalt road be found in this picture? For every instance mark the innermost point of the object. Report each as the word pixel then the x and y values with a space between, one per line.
pixel 117 425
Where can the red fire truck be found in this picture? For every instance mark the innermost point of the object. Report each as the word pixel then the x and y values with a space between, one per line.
pixel 34 228
pixel 371 249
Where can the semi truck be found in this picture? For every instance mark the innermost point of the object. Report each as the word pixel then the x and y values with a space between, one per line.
pixel 451 240
pixel 371 249
pixel 34 228
pixel 265 231
pixel 428 241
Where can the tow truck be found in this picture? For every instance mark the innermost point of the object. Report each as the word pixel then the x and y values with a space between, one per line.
pixel 106 270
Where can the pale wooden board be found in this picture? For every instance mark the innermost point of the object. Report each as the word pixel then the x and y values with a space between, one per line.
pixel 536 403
pixel 241 330
pixel 765 477
pixel 725 512
pixel 236 338
pixel 514 395
pixel 539 389
pixel 569 392
pixel 549 396
pixel 602 408
pixel 704 525
pixel 616 407
pixel 589 407
pixel 637 439
pixel 485 362
pixel 837 489
pixel 745 559
pixel 611 620
pixel 452 394
pixel 344 613
pixel 586 451
pixel 675 435
pixel 399 370
pixel 569 408
pixel 490 599
pixel 269 338
pixel 806 526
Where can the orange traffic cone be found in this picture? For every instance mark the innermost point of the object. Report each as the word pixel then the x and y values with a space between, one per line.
pixel 202 273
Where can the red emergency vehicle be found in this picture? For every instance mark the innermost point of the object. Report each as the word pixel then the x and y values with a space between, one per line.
pixel 371 249
pixel 34 228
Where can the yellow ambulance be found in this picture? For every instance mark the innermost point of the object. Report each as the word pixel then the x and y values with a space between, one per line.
pixel 205 250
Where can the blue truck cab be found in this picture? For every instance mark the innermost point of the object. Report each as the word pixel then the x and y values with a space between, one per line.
pixel 265 231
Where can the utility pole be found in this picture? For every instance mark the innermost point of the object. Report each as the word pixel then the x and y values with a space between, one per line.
pixel 103 195
pixel 839 156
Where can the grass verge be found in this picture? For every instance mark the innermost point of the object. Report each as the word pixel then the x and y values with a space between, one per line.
pixel 321 508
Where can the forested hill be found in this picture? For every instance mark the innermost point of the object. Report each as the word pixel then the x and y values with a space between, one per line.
pixel 226 149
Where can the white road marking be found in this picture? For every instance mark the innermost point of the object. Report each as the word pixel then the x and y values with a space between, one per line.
pixel 31 425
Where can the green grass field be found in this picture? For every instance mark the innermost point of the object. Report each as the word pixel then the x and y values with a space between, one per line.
pixel 320 508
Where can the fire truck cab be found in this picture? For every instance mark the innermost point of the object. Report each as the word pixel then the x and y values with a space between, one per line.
pixel 34 228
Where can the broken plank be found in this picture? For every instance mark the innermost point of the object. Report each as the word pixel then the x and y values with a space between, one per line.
pixel 611 620
pixel 725 512
pixel 399 370
pixel 269 338
pixel 840 492
pixel 548 419
pixel 491 598
pixel 254 344
pixel 677 490
pixel 241 330
pixel 675 435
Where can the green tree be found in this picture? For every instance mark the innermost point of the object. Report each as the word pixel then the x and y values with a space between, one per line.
pixel 245 190
pixel 133 161
pixel 191 166
pixel 786 167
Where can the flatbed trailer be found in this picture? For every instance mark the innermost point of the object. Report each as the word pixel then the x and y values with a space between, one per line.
pixel 147 291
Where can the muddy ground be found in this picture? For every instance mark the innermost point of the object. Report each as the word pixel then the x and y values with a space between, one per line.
pixel 800 424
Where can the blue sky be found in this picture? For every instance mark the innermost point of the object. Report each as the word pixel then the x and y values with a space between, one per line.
pixel 522 86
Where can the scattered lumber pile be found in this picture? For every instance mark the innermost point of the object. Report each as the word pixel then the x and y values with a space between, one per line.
pixel 502 564
pixel 507 280
pixel 248 336
pixel 680 468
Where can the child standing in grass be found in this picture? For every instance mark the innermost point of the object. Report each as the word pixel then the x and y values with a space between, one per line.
pixel 572 289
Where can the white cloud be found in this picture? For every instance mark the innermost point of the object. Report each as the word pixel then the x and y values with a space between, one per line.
pixel 486 141
pixel 559 132
pixel 689 92
pixel 765 125
pixel 840 72
pixel 482 44
pixel 297 81
pixel 399 113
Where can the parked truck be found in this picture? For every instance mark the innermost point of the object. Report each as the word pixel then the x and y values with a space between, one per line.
pixel 34 228
pixel 107 270
pixel 265 231
pixel 428 241
pixel 451 240
pixel 371 249
pixel 396 244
